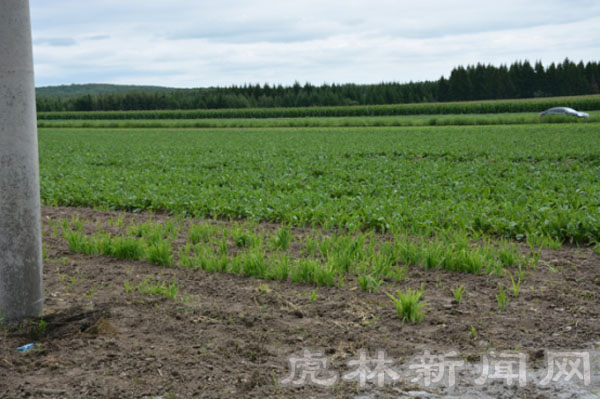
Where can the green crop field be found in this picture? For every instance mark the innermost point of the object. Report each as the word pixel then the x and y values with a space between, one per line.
pixel 584 103
pixel 313 122
pixel 536 182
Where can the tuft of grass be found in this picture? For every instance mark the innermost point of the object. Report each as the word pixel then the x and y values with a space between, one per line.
pixel 434 255
pixel 369 283
pixel 39 330
pixel 382 264
pixel 159 252
pixel 502 298
pixel 516 285
pixel 545 241
pixel 223 245
pixel 201 233
pixel 77 223
pixel 311 246
pixel 254 264
pixel 184 259
pixel 473 332
pixel 410 253
pixel 79 242
pixel 170 290
pixel 398 273
pixel 282 240
pixel 305 271
pixel 507 255
pixel 126 247
pixel 129 288
pixel 241 239
pixel 280 269
pixel 311 271
pixel 325 275
pixel 264 288
pixel 408 304
pixel 458 293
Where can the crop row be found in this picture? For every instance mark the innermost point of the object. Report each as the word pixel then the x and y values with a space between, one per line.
pixel 587 103
pixel 313 122
pixel 534 182
pixel 320 258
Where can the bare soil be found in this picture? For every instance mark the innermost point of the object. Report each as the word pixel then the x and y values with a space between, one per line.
pixel 232 336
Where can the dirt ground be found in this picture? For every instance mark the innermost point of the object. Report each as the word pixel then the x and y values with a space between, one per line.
pixel 233 336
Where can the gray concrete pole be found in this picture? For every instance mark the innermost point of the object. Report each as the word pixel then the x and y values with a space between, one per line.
pixel 21 291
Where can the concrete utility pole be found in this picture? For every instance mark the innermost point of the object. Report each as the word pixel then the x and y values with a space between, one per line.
pixel 21 291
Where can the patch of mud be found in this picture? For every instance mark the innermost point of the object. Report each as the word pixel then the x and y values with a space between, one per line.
pixel 233 336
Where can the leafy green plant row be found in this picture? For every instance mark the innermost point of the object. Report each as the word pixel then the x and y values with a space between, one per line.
pixel 311 122
pixel 588 103
pixel 535 183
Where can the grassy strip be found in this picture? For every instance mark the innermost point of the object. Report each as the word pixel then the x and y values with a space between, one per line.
pixel 312 122
pixel 588 103
pixel 320 259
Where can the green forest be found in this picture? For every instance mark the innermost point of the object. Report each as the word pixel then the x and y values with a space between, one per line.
pixel 474 82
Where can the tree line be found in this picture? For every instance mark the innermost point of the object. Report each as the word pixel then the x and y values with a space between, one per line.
pixel 474 82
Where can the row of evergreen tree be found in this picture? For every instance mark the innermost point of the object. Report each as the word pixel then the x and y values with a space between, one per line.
pixel 475 82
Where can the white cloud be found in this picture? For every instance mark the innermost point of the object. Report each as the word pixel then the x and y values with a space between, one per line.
pixel 188 43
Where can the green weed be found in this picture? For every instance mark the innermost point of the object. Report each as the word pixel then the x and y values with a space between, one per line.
pixel 241 238
pixel 159 252
pixel 473 332
pixel 502 298
pixel 369 283
pixel 516 285
pixel 254 264
pixel 280 269
pixel 149 287
pixel 458 293
pixel 126 247
pixel 282 240
pixel 201 233
pixel 79 242
pixel 408 304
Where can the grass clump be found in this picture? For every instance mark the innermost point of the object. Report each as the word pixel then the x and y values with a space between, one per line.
pixel 254 264
pixel 201 233
pixel 159 252
pixel 502 298
pixel 80 243
pixel 311 271
pixel 241 238
pixel 282 240
pixel 458 293
pixel 126 247
pixel 280 269
pixel 516 284
pixel 408 304
pixel 369 283
pixel 147 286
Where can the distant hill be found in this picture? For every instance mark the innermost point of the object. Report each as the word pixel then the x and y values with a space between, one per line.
pixel 96 89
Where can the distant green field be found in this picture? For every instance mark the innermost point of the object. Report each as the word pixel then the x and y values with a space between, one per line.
pixel 584 103
pixel 403 120
pixel 515 181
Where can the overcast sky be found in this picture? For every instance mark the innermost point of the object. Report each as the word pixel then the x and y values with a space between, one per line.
pixel 200 43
